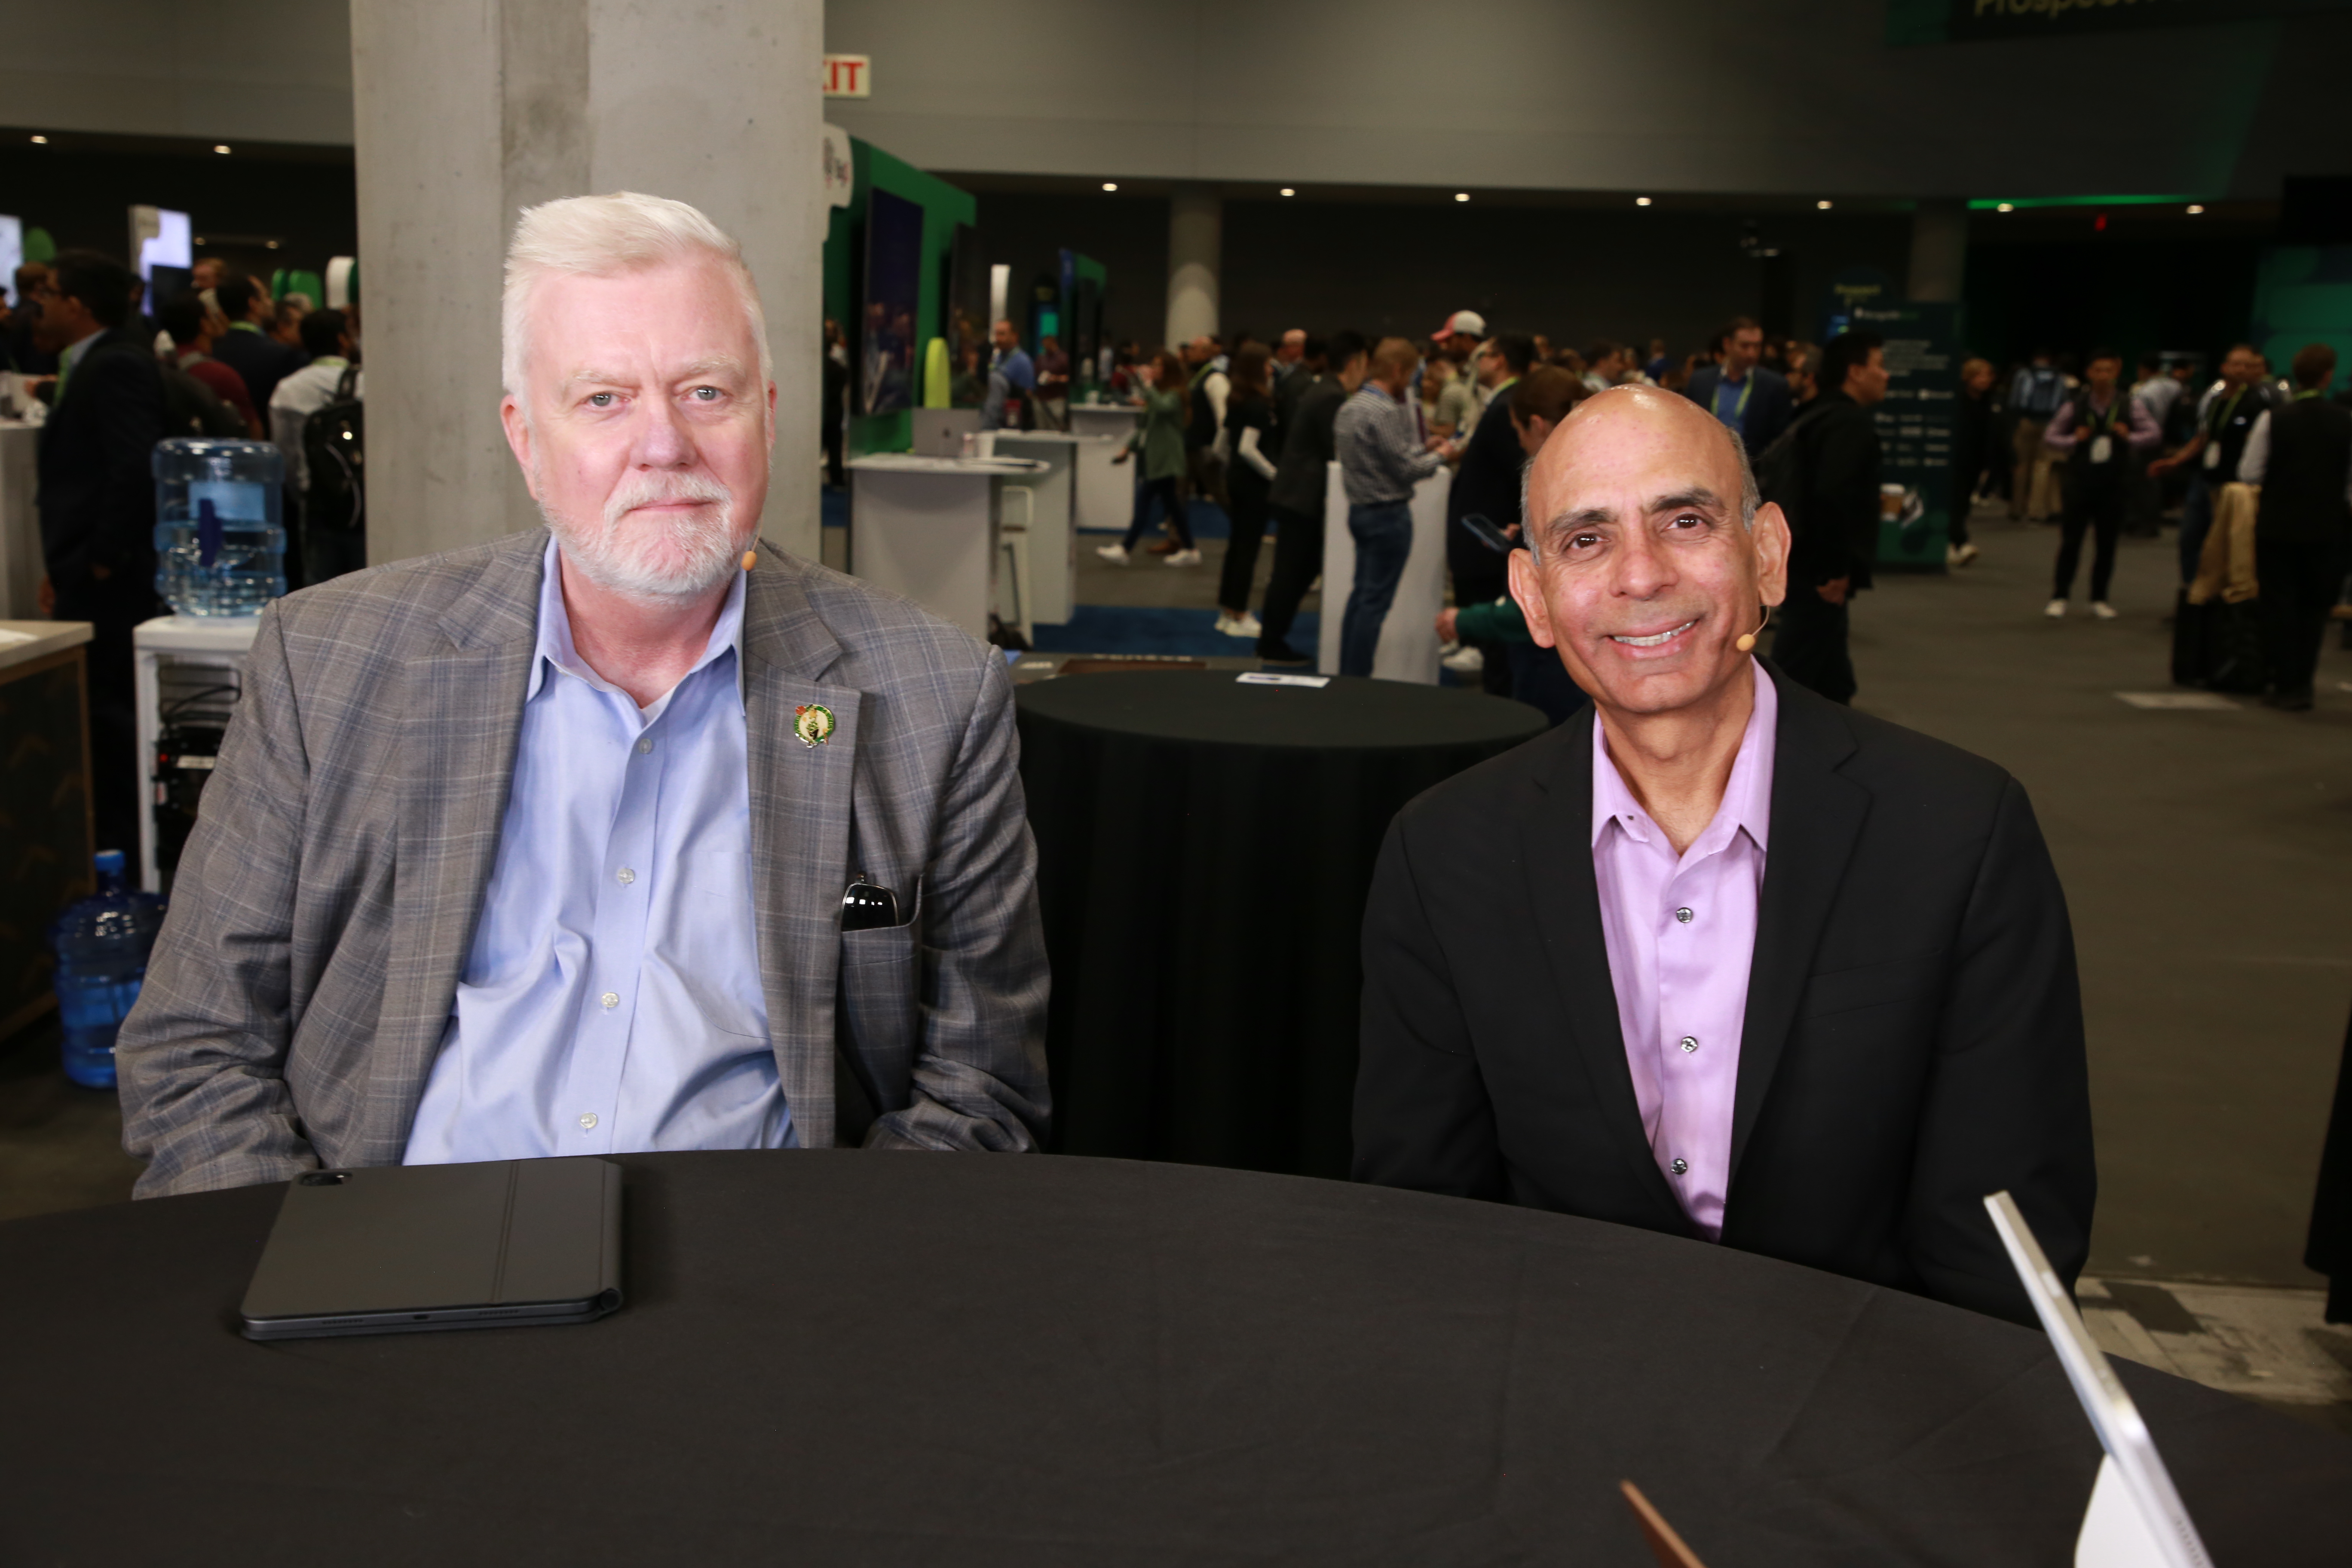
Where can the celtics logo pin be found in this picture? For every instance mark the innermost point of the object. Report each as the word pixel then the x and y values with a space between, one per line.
pixel 813 722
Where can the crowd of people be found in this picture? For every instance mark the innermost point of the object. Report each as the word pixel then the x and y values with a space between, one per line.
pixel 1252 427
pixel 109 377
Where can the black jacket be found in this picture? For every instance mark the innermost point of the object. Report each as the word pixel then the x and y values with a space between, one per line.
pixel 1914 1031
pixel 2303 485
pixel 97 478
pixel 1486 485
pixel 1835 523
pixel 1770 405
pixel 261 360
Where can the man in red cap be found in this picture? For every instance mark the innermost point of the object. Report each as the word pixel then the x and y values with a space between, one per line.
pixel 1460 337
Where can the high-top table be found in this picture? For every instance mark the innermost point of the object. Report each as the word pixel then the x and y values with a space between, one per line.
pixel 862 1358
pixel 927 528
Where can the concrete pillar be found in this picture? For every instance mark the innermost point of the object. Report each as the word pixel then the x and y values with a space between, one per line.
pixel 466 111
pixel 1940 251
pixel 1196 222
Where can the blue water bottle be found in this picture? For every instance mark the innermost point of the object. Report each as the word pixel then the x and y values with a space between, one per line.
pixel 220 548
pixel 101 943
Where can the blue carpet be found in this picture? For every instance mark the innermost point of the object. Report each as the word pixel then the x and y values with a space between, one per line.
pixel 1127 629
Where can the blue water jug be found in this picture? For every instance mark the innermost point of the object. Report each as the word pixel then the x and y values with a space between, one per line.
pixel 101 944
pixel 220 546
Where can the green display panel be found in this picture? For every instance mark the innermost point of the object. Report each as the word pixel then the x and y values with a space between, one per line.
pixel 2303 294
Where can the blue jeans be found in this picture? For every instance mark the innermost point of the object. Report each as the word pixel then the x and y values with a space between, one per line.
pixel 2196 522
pixel 1383 536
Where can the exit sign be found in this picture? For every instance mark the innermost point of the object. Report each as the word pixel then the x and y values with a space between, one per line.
pixel 848 76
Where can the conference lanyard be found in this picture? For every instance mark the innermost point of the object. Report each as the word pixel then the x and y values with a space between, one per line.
pixel 2222 414
pixel 1738 409
pixel 2300 396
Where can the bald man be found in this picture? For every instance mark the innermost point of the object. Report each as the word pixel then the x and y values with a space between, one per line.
pixel 1722 958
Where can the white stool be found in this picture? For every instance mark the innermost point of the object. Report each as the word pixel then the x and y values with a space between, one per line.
pixel 1013 561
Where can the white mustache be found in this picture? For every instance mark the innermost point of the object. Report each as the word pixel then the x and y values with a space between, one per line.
pixel 656 490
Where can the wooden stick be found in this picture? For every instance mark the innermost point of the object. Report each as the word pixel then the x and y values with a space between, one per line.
pixel 1664 1543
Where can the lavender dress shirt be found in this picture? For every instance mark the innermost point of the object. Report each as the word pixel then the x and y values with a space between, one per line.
pixel 1681 934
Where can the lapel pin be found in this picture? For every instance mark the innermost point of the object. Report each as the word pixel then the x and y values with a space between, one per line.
pixel 813 722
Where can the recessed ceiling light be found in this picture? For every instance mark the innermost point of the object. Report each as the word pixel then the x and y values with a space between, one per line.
pixel 1461 195
pixel 41 141
pixel 1111 185
pixel 220 147
pixel 1823 206
pixel 1288 192
pixel 1641 201
pixel 2196 206
pixel 270 244
pixel 200 239
pixel 2005 208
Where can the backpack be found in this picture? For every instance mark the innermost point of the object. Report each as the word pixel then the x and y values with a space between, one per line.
pixel 333 443
pixel 1783 469
pixel 192 408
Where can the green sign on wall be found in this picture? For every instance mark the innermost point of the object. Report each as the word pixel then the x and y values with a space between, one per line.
pixel 1969 21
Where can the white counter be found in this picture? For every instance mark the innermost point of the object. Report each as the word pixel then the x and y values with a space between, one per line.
pixel 927 527
pixel 1105 489
pixel 1408 644
pixel 1052 521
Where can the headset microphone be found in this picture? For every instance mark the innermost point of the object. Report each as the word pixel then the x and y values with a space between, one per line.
pixel 1746 641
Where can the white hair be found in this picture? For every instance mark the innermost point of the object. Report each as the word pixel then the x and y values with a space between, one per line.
pixel 610 236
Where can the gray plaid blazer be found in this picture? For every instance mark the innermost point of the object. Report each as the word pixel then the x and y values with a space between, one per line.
pixel 326 899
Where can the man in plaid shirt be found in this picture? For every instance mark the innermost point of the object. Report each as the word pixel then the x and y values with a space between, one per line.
pixel 1381 458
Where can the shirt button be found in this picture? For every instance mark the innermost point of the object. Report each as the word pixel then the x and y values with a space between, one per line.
pixel 588 1121
pixel 644 745
pixel 625 876
pixel 1683 916
pixel 1689 1043
pixel 611 999
pixel 1678 1167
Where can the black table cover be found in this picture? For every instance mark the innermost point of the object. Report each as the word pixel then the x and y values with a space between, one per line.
pixel 1203 850
pixel 864 1359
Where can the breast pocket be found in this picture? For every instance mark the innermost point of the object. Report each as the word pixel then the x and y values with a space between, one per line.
pixel 881 1003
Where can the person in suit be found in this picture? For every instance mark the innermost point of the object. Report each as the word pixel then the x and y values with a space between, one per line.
pixel 2300 453
pixel 1723 959
pixel 1750 397
pixel 247 347
pixel 548 846
pixel 97 502
pixel 1834 524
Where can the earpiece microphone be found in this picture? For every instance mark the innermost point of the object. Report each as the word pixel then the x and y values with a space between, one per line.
pixel 751 559
pixel 1746 641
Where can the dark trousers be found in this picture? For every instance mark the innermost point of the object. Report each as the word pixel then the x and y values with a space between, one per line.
pixel 1298 561
pixel 1811 645
pixel 113 607
pixel 1246 494
pixel 2097 505
pixel 1171 506
pixel 2301 582
pixel 2196 523
pixel 1383 536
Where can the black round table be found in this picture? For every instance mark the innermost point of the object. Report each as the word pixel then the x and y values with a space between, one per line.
pixel 1203 850
pixel 858 1359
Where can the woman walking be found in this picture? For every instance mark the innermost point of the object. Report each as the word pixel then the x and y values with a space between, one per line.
pixel 1249 480
pixel 1161 439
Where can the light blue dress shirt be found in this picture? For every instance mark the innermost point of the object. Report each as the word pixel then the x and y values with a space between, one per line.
pixel 611 1001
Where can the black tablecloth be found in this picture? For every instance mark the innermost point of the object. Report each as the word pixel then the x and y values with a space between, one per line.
pixel 856 1358
pixel 1203 850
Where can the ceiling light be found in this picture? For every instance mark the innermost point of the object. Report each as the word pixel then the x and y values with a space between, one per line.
pixel 2196 206
pixel 1288 192
pixel 1111 185
pixel 1461 195
pixel 41 141
pixel 1822 205
pixel 220 147
pixel 200 239
pixel 1641 201
pixel 2005 208
pixel 270 244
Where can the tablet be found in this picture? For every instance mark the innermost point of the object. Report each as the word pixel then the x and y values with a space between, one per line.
pixel 403 1249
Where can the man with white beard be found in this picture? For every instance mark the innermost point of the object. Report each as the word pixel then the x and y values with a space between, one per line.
pixel 630 832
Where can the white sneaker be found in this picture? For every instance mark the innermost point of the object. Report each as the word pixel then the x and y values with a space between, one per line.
pixel 1251 625
pixel 2103 610
pixel 1247 626
pixel 1113 554
pixel 1960 555
pixel 1465 660
pixel 1184 558
pixel 2056 610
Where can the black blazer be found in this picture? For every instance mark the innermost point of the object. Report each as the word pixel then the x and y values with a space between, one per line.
pixel 97 475
pixel 261 360
pixel 1913 1033
pixel 1770 405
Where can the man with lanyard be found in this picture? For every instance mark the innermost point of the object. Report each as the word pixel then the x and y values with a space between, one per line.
pixel 2225 418
pixel 2100 432
pixel 2033 399
pixel 1487 484
pixel 1752 401
pixel 2301 454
